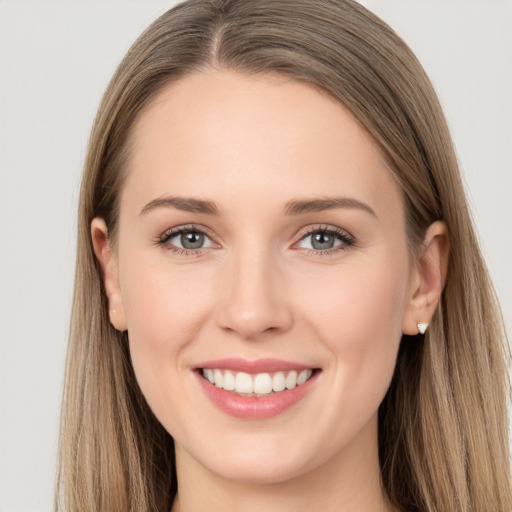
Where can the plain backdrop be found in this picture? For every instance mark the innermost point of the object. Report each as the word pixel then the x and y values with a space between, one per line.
pixel 56 58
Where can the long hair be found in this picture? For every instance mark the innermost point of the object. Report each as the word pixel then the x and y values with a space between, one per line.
pixel 443 438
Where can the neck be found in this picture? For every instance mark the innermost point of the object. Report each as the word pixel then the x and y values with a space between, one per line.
pixel 348 482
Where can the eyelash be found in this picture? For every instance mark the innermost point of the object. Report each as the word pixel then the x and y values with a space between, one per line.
pixel 347 240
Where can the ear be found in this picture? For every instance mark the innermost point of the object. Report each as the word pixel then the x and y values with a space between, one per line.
pixel 428 278
pixel 108 263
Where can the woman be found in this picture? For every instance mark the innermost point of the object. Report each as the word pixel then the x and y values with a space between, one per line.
pixel 279 299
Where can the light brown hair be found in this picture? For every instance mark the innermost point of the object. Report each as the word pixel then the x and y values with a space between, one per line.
pixel 443 436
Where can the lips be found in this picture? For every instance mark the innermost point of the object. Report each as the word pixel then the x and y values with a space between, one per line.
pixel 255 389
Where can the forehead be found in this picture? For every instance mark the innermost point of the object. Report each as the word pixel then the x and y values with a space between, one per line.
pixel 241 137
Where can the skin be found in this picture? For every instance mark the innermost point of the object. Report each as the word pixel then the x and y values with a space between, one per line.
pixel 259 289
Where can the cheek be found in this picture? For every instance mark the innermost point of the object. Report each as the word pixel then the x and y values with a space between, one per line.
pixel 164 310
pixel 359 299
pixel 357 314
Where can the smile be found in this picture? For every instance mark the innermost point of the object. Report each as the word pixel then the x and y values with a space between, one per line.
pixel 255 390
pixel 260 384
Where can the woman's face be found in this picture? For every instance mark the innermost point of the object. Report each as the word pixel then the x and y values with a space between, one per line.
pixel 260 234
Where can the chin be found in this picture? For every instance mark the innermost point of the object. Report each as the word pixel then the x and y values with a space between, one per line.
pixel 256 471
pixel 257 459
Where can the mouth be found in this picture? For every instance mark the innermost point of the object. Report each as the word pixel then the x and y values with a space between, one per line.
pixel 256 385
pixel 255 389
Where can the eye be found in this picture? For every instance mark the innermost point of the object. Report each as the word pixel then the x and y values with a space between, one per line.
pixel 326 239
pixel 185 239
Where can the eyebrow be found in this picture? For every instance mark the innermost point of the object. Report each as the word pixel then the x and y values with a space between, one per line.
pixel 293 207
pixel 298 207
pixel 187 204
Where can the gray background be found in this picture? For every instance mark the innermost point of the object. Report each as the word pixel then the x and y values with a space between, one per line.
pixel 55 60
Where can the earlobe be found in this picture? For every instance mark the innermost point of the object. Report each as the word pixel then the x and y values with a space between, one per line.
pixel 428 281
pixel 108 263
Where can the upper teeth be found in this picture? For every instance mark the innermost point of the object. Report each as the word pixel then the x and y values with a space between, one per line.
pixel 259 384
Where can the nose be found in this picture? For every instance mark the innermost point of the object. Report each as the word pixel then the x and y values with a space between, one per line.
pixel 253 300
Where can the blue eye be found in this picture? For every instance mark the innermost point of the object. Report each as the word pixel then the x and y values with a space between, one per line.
pixel 186 239
pixel 190 240
pixel 326 239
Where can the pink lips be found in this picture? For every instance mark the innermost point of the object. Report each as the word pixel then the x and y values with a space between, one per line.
pixel 259 366
pixel 251 407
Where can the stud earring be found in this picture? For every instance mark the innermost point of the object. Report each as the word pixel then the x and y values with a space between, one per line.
pixel 422 327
